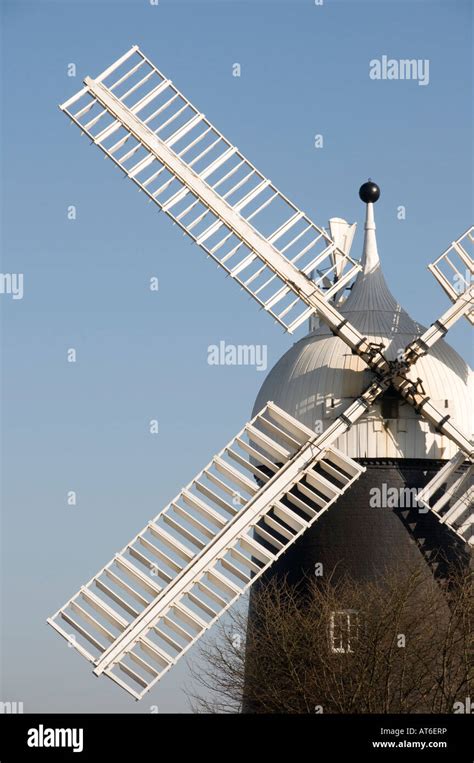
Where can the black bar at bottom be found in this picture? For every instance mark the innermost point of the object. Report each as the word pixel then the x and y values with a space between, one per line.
pixel 317 737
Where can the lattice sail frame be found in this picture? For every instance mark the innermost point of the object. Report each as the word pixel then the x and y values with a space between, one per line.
pixel 164 589
pixel 454 269
pixel 454 505
pixel 161 111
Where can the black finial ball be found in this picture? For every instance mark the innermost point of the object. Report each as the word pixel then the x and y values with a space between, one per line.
pixel 369 192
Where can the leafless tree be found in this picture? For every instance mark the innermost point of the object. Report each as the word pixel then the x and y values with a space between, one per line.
pixel 397 645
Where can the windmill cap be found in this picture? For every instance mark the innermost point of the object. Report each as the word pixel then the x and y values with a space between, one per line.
pixel 369 192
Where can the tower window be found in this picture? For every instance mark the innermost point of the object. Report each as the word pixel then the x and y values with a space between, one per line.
pixel 343 630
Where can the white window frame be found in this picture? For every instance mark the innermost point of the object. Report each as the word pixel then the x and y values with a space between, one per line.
pixel 348 624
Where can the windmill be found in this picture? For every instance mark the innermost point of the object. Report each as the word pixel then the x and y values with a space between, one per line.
pixel 278 477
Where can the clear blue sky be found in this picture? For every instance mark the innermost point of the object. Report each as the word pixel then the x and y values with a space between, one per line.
pixel 143 355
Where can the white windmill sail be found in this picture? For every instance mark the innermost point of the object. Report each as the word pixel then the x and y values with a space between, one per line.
pixel 342 233
pixel 231 210
pixel 459 515
pixel 455 276
pixel 454 270
pixel 164 589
